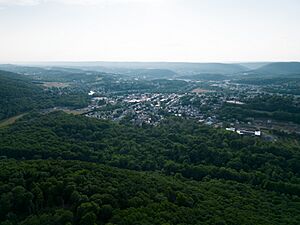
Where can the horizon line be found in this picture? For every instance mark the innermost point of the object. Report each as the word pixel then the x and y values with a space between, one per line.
pixel 142 61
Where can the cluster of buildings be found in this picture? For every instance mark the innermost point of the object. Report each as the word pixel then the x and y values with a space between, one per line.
pixel 151 108
pixel 147 108
pixel 245 132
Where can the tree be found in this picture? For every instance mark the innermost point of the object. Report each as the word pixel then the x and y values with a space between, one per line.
pixel 22 200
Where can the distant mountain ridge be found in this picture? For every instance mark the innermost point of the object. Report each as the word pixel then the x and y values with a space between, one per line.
pixel 280 68
pixel 253 65
pixel 182 68
pixel 151 70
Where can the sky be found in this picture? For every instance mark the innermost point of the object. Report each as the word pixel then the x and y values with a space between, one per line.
pixel 150 30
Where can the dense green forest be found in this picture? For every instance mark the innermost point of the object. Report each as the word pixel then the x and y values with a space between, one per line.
pixel 277 107
pixel 176 146
pixel 73 192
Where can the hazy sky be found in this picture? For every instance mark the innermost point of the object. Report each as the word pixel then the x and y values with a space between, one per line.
pixel 150 30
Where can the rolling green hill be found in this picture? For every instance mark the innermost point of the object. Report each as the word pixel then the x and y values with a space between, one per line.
pixel 17 93
pixel 281 68
pixel 176 146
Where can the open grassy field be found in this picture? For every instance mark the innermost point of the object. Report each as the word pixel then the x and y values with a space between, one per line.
pixel 55 84
pixel 11 120
pixel 199 90
pixel 75 112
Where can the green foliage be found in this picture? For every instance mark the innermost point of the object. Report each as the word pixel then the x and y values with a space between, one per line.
pixel 177 146
pixel 129 197
pixel 277 107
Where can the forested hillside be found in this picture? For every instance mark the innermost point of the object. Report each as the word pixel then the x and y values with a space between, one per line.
pixel 176 146
pixel 280 68
pixel 72 192
pixel 19 94
pixel 277 107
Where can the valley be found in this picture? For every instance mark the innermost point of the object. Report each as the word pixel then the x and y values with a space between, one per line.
pixel 93 147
